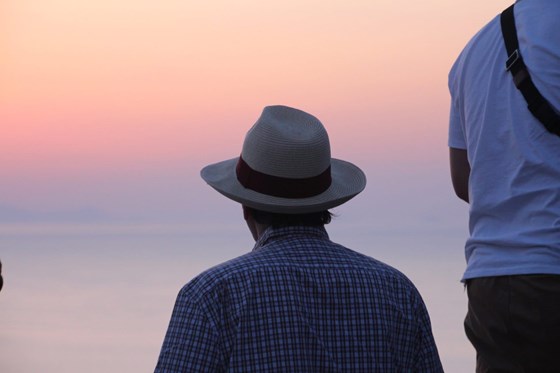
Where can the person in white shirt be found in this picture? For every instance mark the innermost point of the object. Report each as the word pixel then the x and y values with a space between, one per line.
pixel 506 165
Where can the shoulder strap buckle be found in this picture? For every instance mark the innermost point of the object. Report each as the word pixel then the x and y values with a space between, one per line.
pixel 512 59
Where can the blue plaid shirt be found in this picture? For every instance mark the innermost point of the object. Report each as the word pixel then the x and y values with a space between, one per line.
pixel 299 303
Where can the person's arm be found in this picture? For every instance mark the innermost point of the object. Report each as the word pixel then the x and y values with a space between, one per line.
pixel 191 343
pixel 460 172
pixel 427 355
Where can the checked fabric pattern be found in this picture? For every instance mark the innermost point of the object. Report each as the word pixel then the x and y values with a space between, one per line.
pixel 299 303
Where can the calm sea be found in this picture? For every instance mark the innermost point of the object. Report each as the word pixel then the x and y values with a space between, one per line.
pixel 97 298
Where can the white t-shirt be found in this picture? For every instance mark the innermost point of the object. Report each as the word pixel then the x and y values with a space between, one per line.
pixel 514 186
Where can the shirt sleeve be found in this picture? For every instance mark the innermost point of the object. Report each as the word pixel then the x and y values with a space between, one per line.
pixel 427 358
pixel 192 342
pixel 456 130
pixel 456 134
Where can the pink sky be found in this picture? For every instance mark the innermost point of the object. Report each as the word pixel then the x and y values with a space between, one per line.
pixel 104 90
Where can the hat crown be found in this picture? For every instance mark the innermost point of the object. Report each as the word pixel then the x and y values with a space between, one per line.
pixel 287 142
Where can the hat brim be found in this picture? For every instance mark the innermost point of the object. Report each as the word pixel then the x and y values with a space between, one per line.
pixel 347 181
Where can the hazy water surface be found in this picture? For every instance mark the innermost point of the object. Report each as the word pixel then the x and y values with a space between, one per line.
pixel 98 298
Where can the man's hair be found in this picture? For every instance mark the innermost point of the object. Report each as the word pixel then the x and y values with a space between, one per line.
pixel 282 220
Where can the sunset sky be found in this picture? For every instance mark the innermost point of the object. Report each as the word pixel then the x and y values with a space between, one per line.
pixel 110 108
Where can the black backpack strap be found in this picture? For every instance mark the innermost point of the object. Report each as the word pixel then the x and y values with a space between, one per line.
pixel 536 103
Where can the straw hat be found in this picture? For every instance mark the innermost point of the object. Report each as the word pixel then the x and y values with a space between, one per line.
pixel 286 167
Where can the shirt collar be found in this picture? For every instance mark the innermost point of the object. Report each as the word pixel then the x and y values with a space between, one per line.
pixel 275 233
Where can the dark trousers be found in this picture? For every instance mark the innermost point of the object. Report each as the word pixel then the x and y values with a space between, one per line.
pixel 513 323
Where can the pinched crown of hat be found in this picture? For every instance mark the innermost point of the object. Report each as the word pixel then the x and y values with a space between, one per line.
pixel 286 167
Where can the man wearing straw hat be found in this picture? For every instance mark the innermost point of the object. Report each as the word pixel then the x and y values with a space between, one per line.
pixel 298 302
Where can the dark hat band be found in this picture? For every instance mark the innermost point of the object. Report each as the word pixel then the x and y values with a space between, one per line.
pixel 281 186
